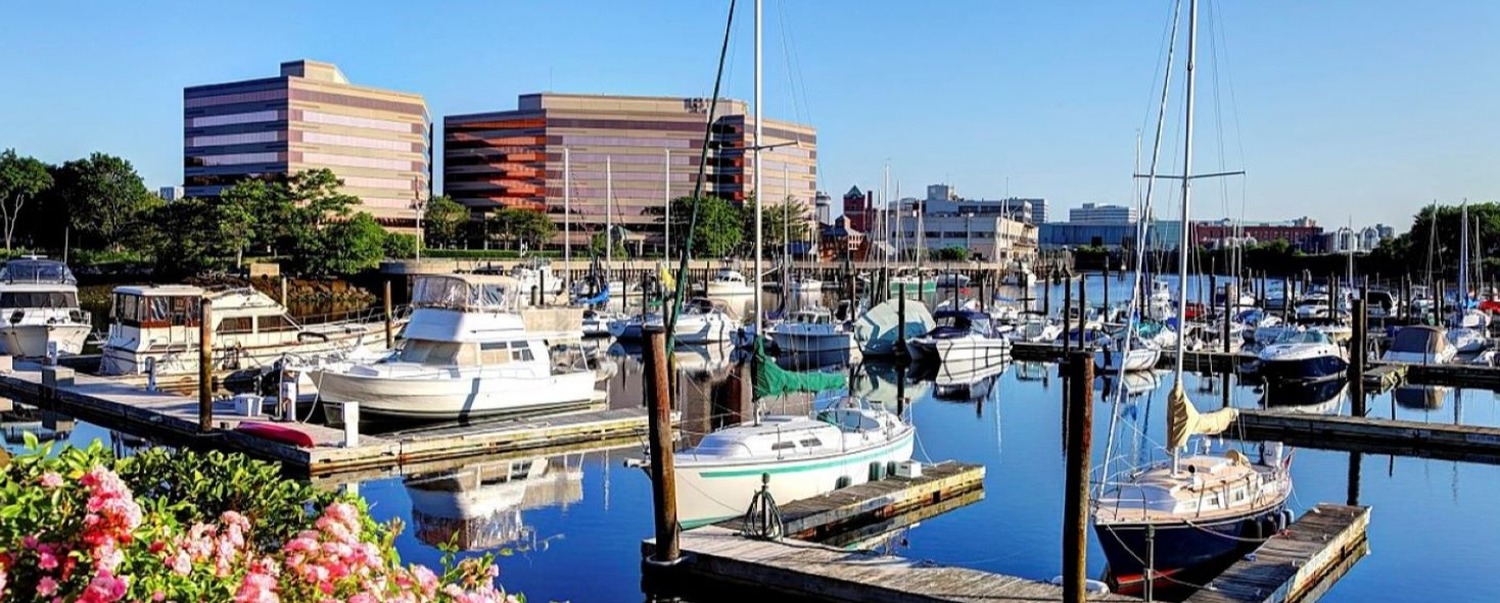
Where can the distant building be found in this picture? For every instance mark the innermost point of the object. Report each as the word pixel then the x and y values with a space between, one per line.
pixel 839 239
pixel 1061 235
pixel 1385 232
pixel 859 207
pixel 642 149
pixel 1302 234
pixel 823 208
pixel 310 117
pixel 991 237
pixel 169 193
pixel 943 199
pixel 1091 213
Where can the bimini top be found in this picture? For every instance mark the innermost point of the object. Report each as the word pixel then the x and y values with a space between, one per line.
pixel 37 270
pixel 1419 339
pixel 467 292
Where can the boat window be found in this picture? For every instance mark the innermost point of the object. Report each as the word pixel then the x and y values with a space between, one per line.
pixel 125 308
pixel 811 442
pixel 423 351
pixel 494 352
pixel 235 324
pixel 521 354
pixel 783 445
pixel 275 323
pixel 39 299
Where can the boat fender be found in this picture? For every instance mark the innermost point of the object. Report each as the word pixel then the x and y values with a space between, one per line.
pixel 877 471
pixel 843 482
pixel 15 317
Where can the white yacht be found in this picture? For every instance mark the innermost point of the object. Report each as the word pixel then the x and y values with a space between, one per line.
pixel 1420 344
pixel 1036 327
pixel 804 457
pixel 961 336
pixel 728 283
pixel 480 506
pixel 812 330
pixel 1468 332
pixel 701 321
pixel 537 275
pixel 156 328
pixel 806 284
pixel 39 307
pixel 465 353
pixel 1302 354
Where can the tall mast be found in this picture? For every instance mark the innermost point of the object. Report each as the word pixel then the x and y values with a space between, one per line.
pixel 567 211
pixel 609 212
pixel 1463 264
pixel 759 319
pixel 666 203
pixel 1187 182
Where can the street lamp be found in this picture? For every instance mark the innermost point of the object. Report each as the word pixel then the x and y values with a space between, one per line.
pixel 418 205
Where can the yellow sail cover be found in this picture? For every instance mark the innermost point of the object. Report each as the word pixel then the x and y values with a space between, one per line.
pixel 1183 419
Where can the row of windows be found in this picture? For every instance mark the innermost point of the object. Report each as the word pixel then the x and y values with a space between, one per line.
pixel 236 118
pixel 347 100
pixel 233 159
pixel 228 179
pixel 361 162
pixel 624 141
pixel 228 139
pixel 395 184
pixel 227 99
pixel 358 122
pixel 360 142
pixel 680 176
pixel 657 159
pixel 627 124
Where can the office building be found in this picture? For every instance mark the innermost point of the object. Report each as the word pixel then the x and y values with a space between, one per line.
pixel 310 117
pixel 169 193
pixel 1092 213
pixel 1302 233
pixel 944 199
pixel 990 238
pixel 643 150
pixel 823 208
pixel 1065 235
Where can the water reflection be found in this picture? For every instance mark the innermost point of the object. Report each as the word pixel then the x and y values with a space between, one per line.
pixel 480 506
pixel 1420 397
pixel 1319 397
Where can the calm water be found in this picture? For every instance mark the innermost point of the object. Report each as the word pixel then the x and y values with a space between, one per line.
pixel 573 533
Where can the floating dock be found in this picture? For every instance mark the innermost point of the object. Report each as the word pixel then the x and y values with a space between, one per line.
pixel 1471 443
pixel 1299 564
pixel 173 417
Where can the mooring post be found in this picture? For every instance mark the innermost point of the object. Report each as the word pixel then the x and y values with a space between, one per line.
pixel 541 287
pixel 1439 295
pixel 390 317
pixel 664 484
pixel 1355 459
pixel 900 350
pixel 1083 306
pixel 283 290
pixel 1067 309
pixel 205 365
pixel 1230 302
pixel 1104 286
pixel 1358 346
pixel 1080 413
pixel 1047 294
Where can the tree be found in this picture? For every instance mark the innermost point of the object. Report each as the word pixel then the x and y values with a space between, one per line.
pixel 344 247
pixel 105 197
pixel 400 246
pixel 269 208
pixel 21 178
pixel 780 223
pixel 951 254
pixel 520 226
pixel 596 246
pixel 720 226
pixel 443 221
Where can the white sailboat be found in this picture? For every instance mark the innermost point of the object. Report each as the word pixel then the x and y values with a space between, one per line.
pixel 1191 509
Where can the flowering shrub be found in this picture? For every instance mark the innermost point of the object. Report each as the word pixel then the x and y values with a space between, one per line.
pixel 71 529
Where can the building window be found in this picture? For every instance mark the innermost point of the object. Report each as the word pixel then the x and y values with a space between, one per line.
pixel 228 99
pixel 233 159
pixel 234 118
pixel 356 122
pixel 228 139
pixel 360 142
pixel 363 162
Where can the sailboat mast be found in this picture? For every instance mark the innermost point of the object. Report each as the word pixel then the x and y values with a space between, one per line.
pixel 1463 263
pixel 609 212
pixel 666 203
pixel 1187 187
pixel 567 211
pixel 756 177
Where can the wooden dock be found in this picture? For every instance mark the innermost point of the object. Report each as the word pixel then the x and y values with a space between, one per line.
pixel 174 418
pixel 1299 564
pixel 1384 377
pixel 1447 441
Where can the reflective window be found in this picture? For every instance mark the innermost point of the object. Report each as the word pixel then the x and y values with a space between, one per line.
pixel 234 118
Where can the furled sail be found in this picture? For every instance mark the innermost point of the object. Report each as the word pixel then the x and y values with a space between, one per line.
pixel 772 380
pixel 1183 419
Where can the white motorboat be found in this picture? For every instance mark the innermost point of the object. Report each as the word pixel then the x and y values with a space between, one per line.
pixel 596 322
pixel 39 306
pixel 466 353
pixel 1469 333
pixel 1035 327
pixel 1159 303
pixel 952 279
pixel 726 282
pixel 1303 354
pixel 701 321
pixel 806 284
pixel 961 336
pixel 812 330
pixel 155 328
pixel 1420 344
pixel 1129 354
pixel 803 457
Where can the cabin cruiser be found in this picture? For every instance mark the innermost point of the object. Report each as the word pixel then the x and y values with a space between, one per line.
pixel 802 456
pixel 1422 302
pixel 1035 327
pixel 701 321
pixel 537 275
pixel 154 330
pixel 1420 344
pixel 467 352
pixel 1229 292
pixel 39 303
pixel 1160 304
pixel 726 282
pixel 596 321
pixel 1302 354
pixel 812 330
pixel 1325 397
pixel 961 336
pixel 806 284
pixel 1469 331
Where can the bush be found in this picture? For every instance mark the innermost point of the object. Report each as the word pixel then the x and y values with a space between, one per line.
pixel 400 246
pixel 493 254
pixel 163 526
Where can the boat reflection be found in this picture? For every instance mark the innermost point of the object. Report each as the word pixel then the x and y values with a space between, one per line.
pixel 1318 397
pixel 972 384
pixel 45 425
pixel 1133 384
pixel 1031 370
pixel 1420 397
pixel 884 383
pixel 480 506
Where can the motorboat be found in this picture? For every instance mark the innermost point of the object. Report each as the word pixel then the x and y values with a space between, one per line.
pixel 537 275
pixel 1114 355
pixel 596 322
pixel 702 321
pixel 1302 354
pixel 1020 275
pixel 1420 397
pixel 879 329
pixel 480 506
pixel 1469 331
pixel 1160 304
pixel 812 330
pixel 39 303
pixel 968 386
pixel 154 329
pixel 1035 327
pixel 467 352
pixel 800 456
pixel 806 284
pixel 727 282
pixel 1229 292
pixel 1420 344
pixel 961 336
pixel 950 280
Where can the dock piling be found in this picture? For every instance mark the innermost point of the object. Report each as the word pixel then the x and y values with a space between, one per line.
pixel 1358 354
pixel 1080 412
pixel 206 365
pixel 390 317
pixel 1067 308
pixel 664 482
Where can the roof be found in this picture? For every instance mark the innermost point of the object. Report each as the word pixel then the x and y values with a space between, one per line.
pixel 160 290
pixel 854 192
pixel 476 279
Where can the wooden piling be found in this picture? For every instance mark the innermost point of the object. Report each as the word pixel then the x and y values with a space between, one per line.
pixel 1083 306
pixel 1067 317
pixel 390 317
pixel 664 482
pixel 900 350
pixel 1358 353
pixel 283 290
pixel 205 366
pixel 1229 306
pixel 1080 412
pixel 1047 295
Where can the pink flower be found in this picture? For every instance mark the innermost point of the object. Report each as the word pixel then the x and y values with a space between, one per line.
pixel 427 580
pixel 46 587
pixel 182 563
pixel 46 560
pixel 51 479
pixel 158 596
pixel 107 557
pixel 104 588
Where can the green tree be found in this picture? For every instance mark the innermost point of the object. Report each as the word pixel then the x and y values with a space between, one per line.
pixel 518 226
pixel 443 221
pixel 596 245
pixel 105 198
pixel 345 247
pixel 780 223
pixel 720 226
pixel 400 246
pixel 951 254
pixel 269 208
pixel 21 179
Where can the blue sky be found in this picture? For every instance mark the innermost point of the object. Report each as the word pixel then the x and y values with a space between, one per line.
pixel 1338 109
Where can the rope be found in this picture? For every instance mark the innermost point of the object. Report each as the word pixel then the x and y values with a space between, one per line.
pixel 763 519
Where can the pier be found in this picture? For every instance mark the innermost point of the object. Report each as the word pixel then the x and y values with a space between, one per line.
pixel 1447 441
pixel 1298 564
pixel 176 418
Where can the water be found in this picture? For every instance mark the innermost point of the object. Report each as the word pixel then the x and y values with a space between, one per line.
pixel 1432 533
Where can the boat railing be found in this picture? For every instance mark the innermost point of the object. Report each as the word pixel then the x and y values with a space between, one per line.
pixel 359 316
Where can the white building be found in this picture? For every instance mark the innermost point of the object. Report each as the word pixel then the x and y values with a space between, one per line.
pixel 991 238
pixel 1092 213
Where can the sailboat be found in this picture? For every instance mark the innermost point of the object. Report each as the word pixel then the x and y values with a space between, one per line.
pixel 1193 509
pixel 1468 327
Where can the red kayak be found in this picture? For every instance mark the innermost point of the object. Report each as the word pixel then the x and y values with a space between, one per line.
pixel 277 433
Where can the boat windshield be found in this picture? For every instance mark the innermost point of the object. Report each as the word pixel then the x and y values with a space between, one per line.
pixel 460 293
pixel 38 299
pixel 37 271
pixel 812 318
pixel 1303 336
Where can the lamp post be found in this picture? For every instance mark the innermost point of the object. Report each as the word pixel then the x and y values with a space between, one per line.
pixel 418 205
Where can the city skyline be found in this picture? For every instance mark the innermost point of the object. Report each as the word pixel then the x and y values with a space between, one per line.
pixel 1338 104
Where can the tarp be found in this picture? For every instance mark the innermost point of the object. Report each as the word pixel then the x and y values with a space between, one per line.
pixel 877 330
pixel 1183 419
pixel 772 380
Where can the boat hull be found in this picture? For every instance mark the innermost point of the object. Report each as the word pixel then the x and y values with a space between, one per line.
pixel 710 493
pixel 30 341
pixel 230 353
pixel 1315 367
pixel 1137 359
pixel 798 343
pixel 1180 546
pixel 453 393
pixel 973 350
